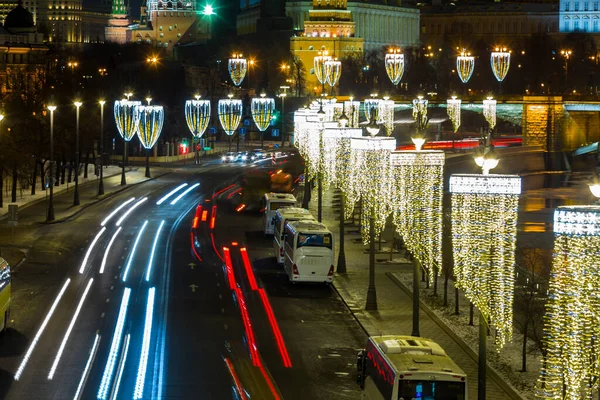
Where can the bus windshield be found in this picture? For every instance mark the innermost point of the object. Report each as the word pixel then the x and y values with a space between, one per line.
pixel 430 390
pixel 314 240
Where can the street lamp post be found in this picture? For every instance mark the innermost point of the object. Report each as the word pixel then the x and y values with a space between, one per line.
pixel 50 216
pixel 567 55
pixel 283 96
pixel 101 183
pixel 1 170
pixel 76 194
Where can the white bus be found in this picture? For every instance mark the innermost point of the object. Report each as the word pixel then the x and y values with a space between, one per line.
pixel 406 367
pixel 271 203
pixel 282 216
pixel 308 252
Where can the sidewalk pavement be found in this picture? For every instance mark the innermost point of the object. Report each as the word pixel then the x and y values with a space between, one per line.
pixel 33 209
pixel 394 314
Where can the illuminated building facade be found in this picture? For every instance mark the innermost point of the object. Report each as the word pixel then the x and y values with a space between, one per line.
pixel 378 23
pixel 29 5
pixel 576 15
pixel 62 19
pixel 329 28
pixel 119 21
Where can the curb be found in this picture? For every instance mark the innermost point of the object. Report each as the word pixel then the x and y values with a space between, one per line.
pixel 498 380
pixel 349 309
pixel 36 201
pixel 106 196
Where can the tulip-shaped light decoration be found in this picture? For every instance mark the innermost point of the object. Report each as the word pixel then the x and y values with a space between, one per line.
pixel 333 71
pixel 237 66
pixel 465 65
pixel 370 105
pixel 126 115
pixel 197 116
pixel 319 66
pixel 262 111
pixel 230 115
pixel 150 126
pixel 394 65
pixel 500 62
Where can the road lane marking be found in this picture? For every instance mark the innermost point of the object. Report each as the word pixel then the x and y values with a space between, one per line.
pixel 121 368
pixel 141 375
pixel 194 186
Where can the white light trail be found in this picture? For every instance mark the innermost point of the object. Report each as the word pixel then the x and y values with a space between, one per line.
pixel 89 250
pixel 114 347
pixel 132 255
pixel 108 250
pixel 133 207
pixel 153 249
pixel 121 368
pixel 194 186
pixel 112 214
pixel 141 376
pixel 171 193
pixel 86 370
pixel 69 329
pixel 41 330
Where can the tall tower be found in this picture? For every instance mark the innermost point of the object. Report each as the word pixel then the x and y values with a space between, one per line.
pixel 119 21
pixel 329 28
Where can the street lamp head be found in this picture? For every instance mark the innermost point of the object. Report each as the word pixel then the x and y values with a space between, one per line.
pixel 343 119
pixel 148 99
pixel 52 108
pixel 595 186
pixel 102 102
pixel 208 10
pixel 418 142
pixel 373 127
pixel 197 96
pixel 78 104
pixel 230 95
pixel 263 95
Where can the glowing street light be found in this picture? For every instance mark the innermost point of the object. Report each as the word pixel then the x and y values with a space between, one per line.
pixel 101 182
pixel 237 67
pixel 208 10
pixel 465 65
pixel 76 193
pixel 500 62
pixel 50 216
pixel 197 116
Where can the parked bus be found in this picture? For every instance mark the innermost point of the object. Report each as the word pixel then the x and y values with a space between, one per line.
pixel 271 203
pixel 4 294
pixel 308 252
pixel 283 216
pixel 407 367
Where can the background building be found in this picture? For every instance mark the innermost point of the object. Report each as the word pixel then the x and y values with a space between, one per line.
pixel 61 20
pixel 29 5
pixel 579 16
pixel 494 23
pixel 118 24
pixel 330 28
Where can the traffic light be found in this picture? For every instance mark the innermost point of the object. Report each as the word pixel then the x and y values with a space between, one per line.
pixel 184 146
pixel 276 116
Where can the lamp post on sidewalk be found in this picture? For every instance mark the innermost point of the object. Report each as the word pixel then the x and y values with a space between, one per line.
pixel 1 169
pixel 76 194
pixel 50 216
pixel 101 183
pixel 283 96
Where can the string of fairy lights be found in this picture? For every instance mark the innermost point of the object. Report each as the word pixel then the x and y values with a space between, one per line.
pixel 417 203
pixel 151 120
pixel 453 111
pixel 571 367
pixel 484 233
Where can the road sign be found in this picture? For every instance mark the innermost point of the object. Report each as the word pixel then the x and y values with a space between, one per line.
pixel 247 122
pixel 242 131
pixel 212 130
pixel 13 214
pixel 275 132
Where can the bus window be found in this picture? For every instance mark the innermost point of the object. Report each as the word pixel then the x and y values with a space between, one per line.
pixel 314 240
pixel 431 390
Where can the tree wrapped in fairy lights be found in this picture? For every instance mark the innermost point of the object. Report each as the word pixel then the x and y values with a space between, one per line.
pixel 484 233
pixel 571 328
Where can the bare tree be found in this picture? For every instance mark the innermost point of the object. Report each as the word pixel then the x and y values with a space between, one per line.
pixel 533 270
pixel 298 74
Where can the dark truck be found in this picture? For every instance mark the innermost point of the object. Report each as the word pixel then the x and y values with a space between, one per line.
pixel 256 183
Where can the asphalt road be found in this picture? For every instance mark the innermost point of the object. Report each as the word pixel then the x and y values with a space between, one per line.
pixel 174 314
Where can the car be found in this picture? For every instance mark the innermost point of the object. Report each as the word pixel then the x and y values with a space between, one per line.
pixel 260 154
pixel 228 157
pixel 242 156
